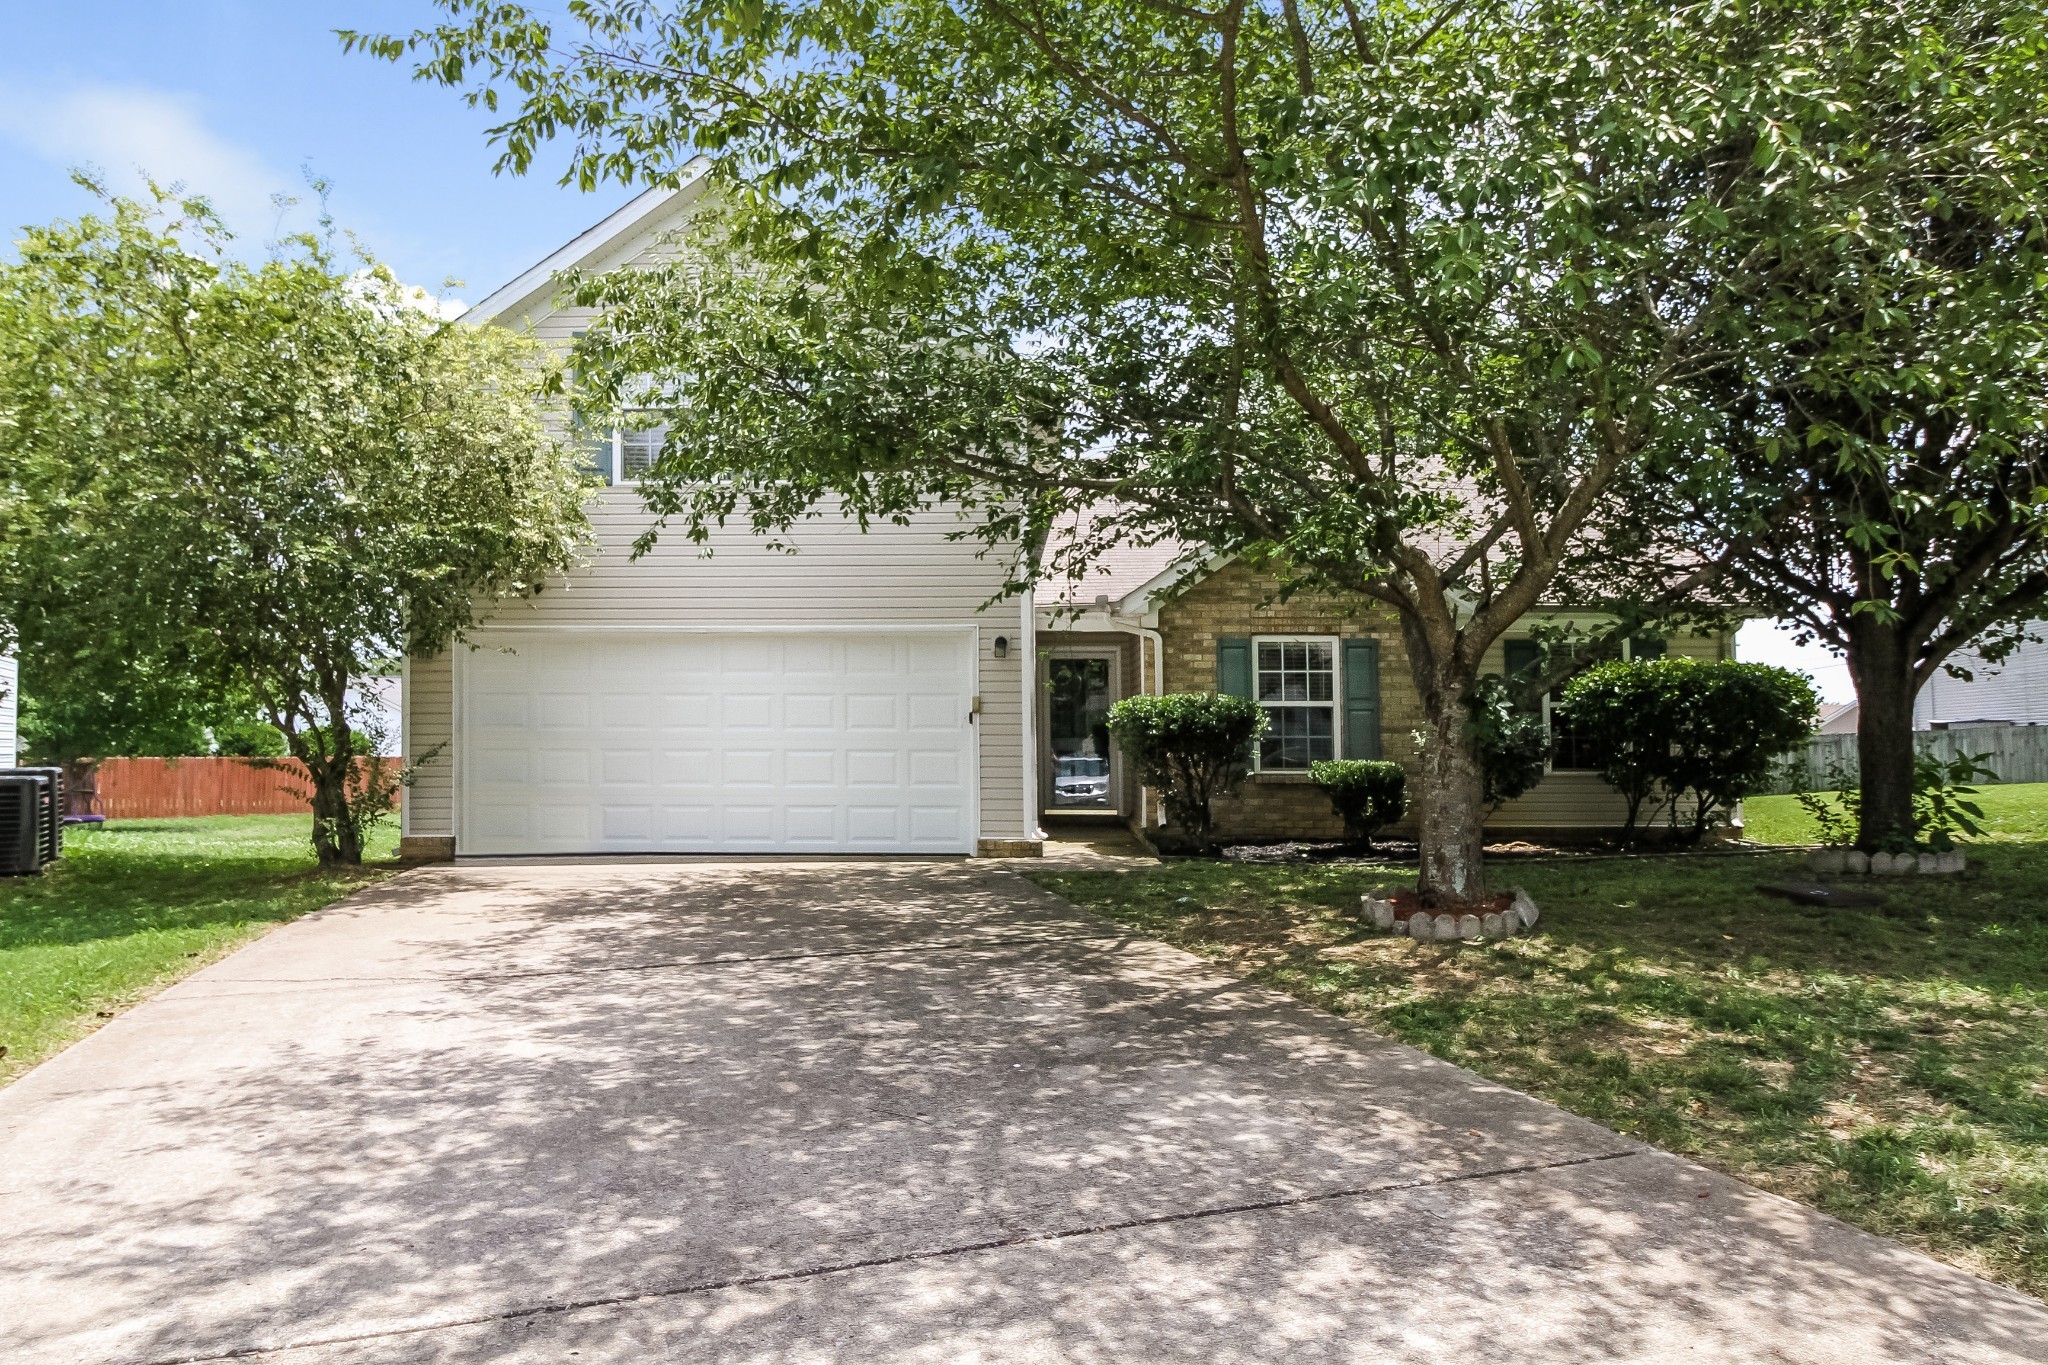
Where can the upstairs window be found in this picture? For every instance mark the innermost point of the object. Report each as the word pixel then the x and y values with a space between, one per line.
pixel 622 454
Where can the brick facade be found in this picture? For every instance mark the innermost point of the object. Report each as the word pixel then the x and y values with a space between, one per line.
pixel 1237 601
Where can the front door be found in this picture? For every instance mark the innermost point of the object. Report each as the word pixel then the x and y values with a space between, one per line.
pixel 1082 768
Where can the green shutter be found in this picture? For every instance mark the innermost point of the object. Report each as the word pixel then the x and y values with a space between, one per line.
pixel 1361 698
pixel 1520 660
pixel 1644 650
pixel 1234 668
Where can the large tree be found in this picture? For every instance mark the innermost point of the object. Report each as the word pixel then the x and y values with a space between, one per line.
pixel 270 478
pixel 1885 388
pixel 1394 297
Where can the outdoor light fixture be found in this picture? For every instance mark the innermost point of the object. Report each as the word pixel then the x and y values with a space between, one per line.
pixel 1002 646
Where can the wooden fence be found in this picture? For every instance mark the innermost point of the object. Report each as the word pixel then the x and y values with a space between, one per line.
pixel 153 788
pixel 2017 753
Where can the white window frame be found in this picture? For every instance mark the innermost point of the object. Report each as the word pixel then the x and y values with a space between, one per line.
pixel 1336 702
pixel 615 474
pixel 1550 755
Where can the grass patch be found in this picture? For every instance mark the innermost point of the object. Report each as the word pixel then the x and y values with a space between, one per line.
pixel 136 904
pixel 1887 1065
pixel 2014 812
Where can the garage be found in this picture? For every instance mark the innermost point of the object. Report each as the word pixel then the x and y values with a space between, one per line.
pixel 788 741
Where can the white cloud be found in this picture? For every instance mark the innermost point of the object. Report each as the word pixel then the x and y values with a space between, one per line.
pixel 127 131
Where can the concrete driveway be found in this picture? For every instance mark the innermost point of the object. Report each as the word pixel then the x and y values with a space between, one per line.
pixel 859 1111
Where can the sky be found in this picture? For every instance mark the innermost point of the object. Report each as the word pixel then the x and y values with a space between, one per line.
pixel 240 99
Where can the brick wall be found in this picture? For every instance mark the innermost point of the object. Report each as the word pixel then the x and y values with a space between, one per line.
pixel 1235 601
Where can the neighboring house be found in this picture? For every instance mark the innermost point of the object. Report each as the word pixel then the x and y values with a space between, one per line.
pixel 2015 690
pixel 1330 669
pixel 1838 718
pixel 858 696
pixel 10 690
pixel 862 695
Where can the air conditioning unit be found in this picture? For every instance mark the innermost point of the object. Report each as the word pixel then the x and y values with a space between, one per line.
pixel 31 819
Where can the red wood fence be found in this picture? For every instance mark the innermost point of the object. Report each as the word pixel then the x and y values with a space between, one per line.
pixel 145 788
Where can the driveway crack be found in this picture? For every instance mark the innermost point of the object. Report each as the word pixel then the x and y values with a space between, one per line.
pixel 910 1257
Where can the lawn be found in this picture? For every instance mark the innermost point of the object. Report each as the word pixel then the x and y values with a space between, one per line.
pixel 136 904
pixel 1888 1065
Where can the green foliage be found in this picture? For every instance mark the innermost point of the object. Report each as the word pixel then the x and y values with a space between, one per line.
pixel 1191 747
pixel 249 739
pixel 266 480
pixel 1344 289
pixel 1687 728
pixel 1367 794
pixel 1943 807
pixel 1511 741
pixel 1835 809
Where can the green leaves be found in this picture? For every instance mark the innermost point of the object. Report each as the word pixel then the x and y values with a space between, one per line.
pixel 264 480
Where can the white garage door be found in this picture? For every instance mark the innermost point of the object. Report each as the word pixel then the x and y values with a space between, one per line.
pixel 825 742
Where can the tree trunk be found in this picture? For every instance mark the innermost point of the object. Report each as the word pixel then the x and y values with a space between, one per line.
pixel 1451 794
pixel 1882 671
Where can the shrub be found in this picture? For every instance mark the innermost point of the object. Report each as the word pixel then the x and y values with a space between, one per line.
pixel 1192 747
pixel 1941 810
pixel 1686 727
pixel 1512 742
pixel 1368 794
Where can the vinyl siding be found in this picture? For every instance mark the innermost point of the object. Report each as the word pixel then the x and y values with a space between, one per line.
pixel 10 685
pixel 2014 690
pixel 429 723
pixel 836 577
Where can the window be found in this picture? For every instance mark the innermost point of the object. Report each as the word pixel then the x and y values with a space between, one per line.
pixel 1568 749
pixel 1296 681
pixel 621 454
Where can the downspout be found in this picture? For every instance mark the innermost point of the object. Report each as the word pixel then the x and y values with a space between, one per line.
pixel 1027 666
pixel 1154 687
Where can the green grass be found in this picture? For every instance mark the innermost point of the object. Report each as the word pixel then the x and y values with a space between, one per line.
pixel 1889 1065
pixel 2015 813
pixel 136 904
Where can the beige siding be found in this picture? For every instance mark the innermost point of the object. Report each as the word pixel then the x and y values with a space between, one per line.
pixel 10 688
pixel 837 576
pixel 430 726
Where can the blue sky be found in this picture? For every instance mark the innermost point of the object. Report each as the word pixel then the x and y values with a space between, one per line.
pixel 233 97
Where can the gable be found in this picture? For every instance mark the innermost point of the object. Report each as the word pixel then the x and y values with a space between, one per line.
pixel 632 232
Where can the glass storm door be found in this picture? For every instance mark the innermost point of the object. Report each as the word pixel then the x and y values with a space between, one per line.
pixel 1077 728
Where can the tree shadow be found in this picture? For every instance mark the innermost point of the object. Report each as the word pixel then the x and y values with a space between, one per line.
pixel 496 1094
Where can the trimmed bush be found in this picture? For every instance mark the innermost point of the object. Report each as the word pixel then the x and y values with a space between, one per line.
pixel 1192 747
pixel 1367 794
pixel 1676 728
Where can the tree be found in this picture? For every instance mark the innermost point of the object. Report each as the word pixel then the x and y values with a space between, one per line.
pixel 1193 747
pixel 1884 480
pixel 1393 298
pixel 267 480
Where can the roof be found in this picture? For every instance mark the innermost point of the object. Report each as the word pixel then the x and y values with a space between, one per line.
pixel 647 213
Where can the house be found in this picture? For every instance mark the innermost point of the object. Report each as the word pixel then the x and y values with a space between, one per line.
pixel 869 693
pixel 1330 668
pixel 2014 690
pixel 861 695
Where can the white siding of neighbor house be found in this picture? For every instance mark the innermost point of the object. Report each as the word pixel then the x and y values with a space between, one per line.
pixel 837 577
pixel 1575 799
pixel 10 686
pixel 2014 690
